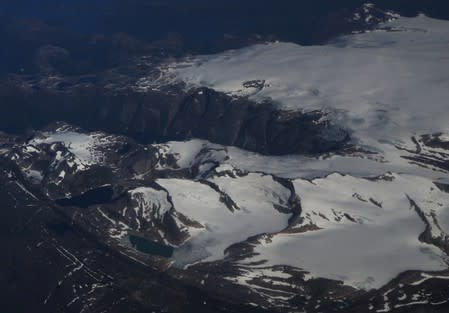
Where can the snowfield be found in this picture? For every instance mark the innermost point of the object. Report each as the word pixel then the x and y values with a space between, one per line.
pixel 366 230
pixel 219 227
pixel 387 84
pixel 363 209
pixel 358 230
pixel 361 231
pixel 151 203
pixel 388 87
pixel 85 149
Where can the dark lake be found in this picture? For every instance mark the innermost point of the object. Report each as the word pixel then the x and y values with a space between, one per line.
pixel 150 247
pixel 92 197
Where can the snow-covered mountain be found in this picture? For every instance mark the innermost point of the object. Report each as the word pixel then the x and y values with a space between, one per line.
pixel 388 83
pixel 187 207
pixel 273 178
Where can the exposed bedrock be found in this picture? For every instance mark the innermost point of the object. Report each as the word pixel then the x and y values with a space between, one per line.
pixel 156 116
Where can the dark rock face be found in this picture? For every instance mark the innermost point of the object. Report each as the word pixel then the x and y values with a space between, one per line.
pixel 95 196
pixel 256 127
pixel 158 116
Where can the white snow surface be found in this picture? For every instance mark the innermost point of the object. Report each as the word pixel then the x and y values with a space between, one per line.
pixel 387 159
pixel 380 84
pixel 255 194
pixel 84 147
pixel 150 202
pixel 379 239
pixel 368 228
pixel 188 153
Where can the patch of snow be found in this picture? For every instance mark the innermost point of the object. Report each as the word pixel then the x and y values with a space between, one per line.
pixel 188 153
pixel 34 175
pixel 4 151
pixel 387 158
pixel 151 203
pixel 411 303
pixel 30 149
pixel 254 193
pixel 250 277
pixel 426 277
pixel 84 147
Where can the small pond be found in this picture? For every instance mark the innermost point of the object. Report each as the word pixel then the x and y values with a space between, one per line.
pixel 150 247
pixel 92 197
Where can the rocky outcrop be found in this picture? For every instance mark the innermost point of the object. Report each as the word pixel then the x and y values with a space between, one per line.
pixel 174 114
